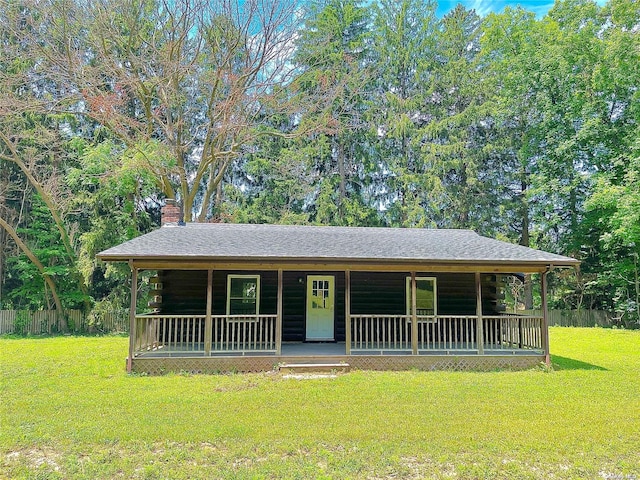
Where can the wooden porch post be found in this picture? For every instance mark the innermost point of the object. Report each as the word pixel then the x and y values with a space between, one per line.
pixel 414 315
pixel 279 316
pixel 545 319
pixel 208 321
pixel 132 315
pixel 347 311
pixel 479 321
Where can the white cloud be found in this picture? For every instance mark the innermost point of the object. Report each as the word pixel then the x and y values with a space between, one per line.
pixel 483 7
pixel 540 10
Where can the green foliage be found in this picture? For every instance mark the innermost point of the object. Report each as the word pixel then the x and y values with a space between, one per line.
pixel 70 411
pixel 613 224
pixel 331 209
pixel 113 201
pixel 21 322
pixel 404 56
pixel 332 52
pixel 271 186
pixel 24 284
pixel 450 153
pixel 378 113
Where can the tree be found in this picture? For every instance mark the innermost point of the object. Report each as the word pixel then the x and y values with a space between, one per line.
pixel 607 238
pixel 21 148
pixel 113 201
pixel 366 114
pixel 512 46
pixel 184 82
pixel 332 52
pixel 41 268
pixel 32 136
pixel 453 141
pixel 613 224
pixel 271 185
pixel 404 50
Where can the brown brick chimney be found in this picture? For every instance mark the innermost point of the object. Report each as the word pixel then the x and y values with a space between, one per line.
pixel 171 212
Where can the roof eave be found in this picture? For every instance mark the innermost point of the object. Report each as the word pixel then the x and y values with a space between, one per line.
pixel 178 259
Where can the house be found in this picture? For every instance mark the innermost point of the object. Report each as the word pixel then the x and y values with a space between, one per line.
pixel 230 297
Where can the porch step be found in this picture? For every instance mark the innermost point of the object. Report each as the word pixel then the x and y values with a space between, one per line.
pixel 297 368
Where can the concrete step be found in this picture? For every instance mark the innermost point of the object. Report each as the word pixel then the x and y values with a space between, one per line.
pixel 304 368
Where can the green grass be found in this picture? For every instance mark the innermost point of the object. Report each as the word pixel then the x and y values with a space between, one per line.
pixel 68 410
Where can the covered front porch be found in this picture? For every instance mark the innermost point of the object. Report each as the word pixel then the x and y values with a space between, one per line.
pixel 231 297
pixel 418 338
pixel 186 335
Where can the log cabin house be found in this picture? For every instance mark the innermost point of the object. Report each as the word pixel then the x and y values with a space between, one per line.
pixel 229 297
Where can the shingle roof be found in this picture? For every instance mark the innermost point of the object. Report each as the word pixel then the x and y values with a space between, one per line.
pixel 236 242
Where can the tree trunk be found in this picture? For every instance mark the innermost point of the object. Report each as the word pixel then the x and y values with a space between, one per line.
pixel 3 243
pixel 526 241
pixel 48 280
pixel 636 272
pixel 342 188
pixel 49 202
pixel 465 198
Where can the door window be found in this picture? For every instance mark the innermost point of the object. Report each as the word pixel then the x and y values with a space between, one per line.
pixel 320 294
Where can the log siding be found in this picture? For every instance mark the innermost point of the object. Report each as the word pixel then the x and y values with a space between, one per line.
pixel 372 293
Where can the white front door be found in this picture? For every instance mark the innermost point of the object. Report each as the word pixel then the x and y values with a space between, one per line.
pixel 320 307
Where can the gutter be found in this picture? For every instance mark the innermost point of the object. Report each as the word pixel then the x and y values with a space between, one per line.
pixel 333 260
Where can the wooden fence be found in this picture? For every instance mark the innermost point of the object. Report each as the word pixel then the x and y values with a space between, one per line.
pixel 24 322
pixel 40 322
pixel 575 318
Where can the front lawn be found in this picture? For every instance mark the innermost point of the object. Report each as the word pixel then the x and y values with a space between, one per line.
pixel 68 410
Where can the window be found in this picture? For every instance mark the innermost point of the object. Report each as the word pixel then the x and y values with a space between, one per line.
pixel 243 294
pixel 320 294
pixel 426 296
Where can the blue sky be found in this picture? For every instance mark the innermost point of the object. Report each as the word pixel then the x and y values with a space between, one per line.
pixel 540 7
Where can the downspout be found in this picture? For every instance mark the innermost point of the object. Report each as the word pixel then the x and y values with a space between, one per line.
pixel 132 314
pixel 347 311
pixel 479 319
pixel 414 315
pixel 280 310
pixel 208 319
pixel 545 315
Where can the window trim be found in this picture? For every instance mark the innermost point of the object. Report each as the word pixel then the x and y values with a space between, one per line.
pixel 408 294
pixel 230 277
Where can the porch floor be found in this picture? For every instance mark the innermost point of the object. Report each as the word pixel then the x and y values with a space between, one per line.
pixel 331 349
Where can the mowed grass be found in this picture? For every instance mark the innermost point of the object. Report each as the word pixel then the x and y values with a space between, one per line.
pixel 68 410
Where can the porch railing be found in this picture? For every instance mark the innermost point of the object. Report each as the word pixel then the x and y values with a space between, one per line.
pixel 257 333
pixel 170 333
pixel 454 333
pixel 380 332
pixel 243 333
pixel 513 332
pixel 187 334
pixel 451 332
